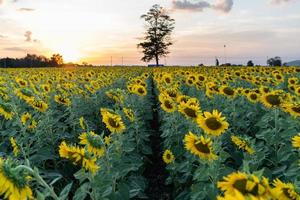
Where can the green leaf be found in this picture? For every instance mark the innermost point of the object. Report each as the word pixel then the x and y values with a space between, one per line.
pixel 82 191
pixel 65 192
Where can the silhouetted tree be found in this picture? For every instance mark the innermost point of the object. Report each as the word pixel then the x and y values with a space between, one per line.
pixel 157 38
pixel 32 60
pixel 276 61
pixel 57 60
pixel 217 62
pixel 250 63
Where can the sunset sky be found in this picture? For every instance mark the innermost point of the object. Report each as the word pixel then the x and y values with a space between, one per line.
pixel 95 30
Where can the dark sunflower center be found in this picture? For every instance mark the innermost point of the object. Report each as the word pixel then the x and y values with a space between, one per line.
pixel 296 109
pixel 202 147
pixel 240 185
pixel 168 80
pixel 113 123
pixel 273 100
pixel 168 104
pixel 278 77
pixel 266 90
pixel 201 78
pixel 213 124
pixel 228 91
pixel 287 193
pixel 253 96
pixel 292 82
pixel 141 91
pixel 168 156
pixel 172 94
pixel 190 112
pixel 190 81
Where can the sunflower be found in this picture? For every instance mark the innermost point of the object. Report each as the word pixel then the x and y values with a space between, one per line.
pixel 78 156
pixel 62 100
pixel 297 91
pixel 253 97
pixel 168 104
pixel 199 146
pixel 129 114
pixel 14 145
pixel 296 141
pixel 168 156
pixel 93 143
pixel 279 77
pixel 241 186
pixel 14 184
pixel 190 111
pixel 21 82
pixel 242 144
pixel 227 91
pixel 284 191
pixel 25 118
pixel 167 78
pixel 140 90
pixel 293 109
pixel 38 105
pixel 6 111
pixel 107 140
pixel 112 121
pixel 82 123
pixel 182 99
pixel 271 100
pixel 213 123
pixel 46 88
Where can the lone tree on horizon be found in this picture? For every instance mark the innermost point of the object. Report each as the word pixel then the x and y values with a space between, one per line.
pixel 157 39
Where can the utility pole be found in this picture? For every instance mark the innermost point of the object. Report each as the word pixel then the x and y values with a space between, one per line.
pixel 111 61
pixel 225 58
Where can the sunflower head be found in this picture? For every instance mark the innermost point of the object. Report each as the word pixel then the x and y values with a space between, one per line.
pixel 240 185
pixel 168 156
pixel 129 114
pixel 253 97
pixel 200 146
pixel 271 100
pixel 93 142
pixel 14 182
pixel 284 191
pixel 296 141
pixel 168 104
pixel 213 123
pixel 112 121
pixel 190 111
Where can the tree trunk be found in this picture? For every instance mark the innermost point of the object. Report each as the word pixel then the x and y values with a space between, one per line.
pixel 157 60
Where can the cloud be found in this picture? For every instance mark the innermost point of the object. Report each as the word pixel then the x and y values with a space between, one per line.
pixel 220 5
pixel 14 49
pixel 279 1
pixel 223 5
pixel 25 9
pixel 1 2
pixel 28 35
pixel 187 5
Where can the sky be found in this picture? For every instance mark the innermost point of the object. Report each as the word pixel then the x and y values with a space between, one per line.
pixel 98 31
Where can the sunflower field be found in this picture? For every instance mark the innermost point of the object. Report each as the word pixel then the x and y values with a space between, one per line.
pixel 98 133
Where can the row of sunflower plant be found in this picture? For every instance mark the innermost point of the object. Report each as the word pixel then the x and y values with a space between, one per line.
pixel 73 133
pixel 230 133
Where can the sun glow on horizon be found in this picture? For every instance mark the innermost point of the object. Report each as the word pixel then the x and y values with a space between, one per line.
pixel 70 54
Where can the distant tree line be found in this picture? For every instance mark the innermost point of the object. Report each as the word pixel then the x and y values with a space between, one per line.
pixel 32 60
